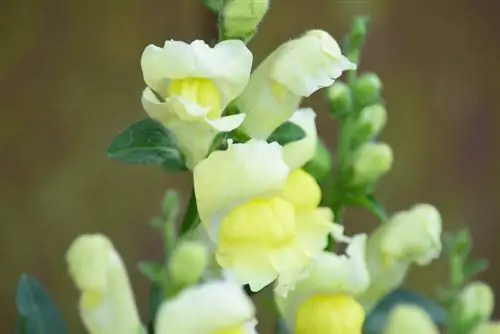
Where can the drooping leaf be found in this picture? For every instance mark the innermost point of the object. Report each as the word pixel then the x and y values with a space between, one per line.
pixel 370 203
pixel 377 318
pixel 286 133
pixel 147 142
pixel 38 314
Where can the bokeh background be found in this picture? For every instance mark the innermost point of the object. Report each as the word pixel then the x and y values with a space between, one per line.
pixel 70 81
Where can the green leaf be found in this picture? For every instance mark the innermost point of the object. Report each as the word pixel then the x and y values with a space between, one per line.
pixel 286 133
pixel 214 5
pixel 38 314
pixel 147 142
pixel 370 203
pixel 153 271
pixel 474 267
pixel 156 297
pixel 377 318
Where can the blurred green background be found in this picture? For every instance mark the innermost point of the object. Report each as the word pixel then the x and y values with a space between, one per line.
pixel 70 81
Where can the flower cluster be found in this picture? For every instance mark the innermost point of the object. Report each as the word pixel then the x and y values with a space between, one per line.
pixel 267 201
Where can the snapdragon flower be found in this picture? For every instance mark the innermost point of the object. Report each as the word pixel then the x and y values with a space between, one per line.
pixel 264 219
pixel 218 307
pixel 326 300
pixel 190 85
pixel 107 303
pixel 409 237
pixel 295 70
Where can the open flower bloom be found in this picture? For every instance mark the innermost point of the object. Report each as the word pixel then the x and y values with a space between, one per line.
pixel 218 307
pixel 190 85
pixel 107 303
pixel 298 153
pixel 295 70
pixel 325 301
pixel 264 220
pixel 409 237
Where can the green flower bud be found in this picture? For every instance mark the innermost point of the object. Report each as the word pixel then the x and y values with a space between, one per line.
pixel 370 162
pixel 373 119
pixel 367 89
pixel 188 262
pixel 240 18
pixel 409 319
pixel 477 302
pixel 339 96
pixel 321 164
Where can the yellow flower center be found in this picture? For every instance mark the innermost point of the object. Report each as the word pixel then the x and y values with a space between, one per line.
pixel 330 314
pixel 302 190
pixel 260 222
pixel 200 91
pixel 90 299
pixel 239 329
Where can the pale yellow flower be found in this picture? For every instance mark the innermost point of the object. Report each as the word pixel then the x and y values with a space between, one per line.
pixel 295 70
pixel 409 237
pixel 264 220
pixel 409 319
pixel 326 300
pixel 107 303
pixel 298 153
pixel 190 85
pixel 218 307
pixel 488 328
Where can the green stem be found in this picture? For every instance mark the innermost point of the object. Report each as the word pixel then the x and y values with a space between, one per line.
pixel 191 216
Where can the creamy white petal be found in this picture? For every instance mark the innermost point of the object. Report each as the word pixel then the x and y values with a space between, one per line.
pixel 205 309
pixel 330 273
pixel 298 153
pixel 194 139
pixel 231 177
pixel 227 123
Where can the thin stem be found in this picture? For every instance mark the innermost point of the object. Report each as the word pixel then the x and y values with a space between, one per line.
pixel 191 216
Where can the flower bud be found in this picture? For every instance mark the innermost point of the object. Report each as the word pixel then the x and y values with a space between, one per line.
pixel 409 319
pixel 367 88
pixel 487 328
pixel 339 96
pixel 321 163
pixel 188 262
pixel 107 303
pixel 371 161
pixel 371 121
pixel 240 18
pixel 477 301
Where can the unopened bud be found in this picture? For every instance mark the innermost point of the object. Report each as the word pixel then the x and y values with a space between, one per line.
pixel 240 18
pixel 371 121
pixel 339 96
pixel 477 301
pixel 487 328
pixel 321 163
pixel 409 319
pixel 371 161
pixel 188 262
pixel 367 89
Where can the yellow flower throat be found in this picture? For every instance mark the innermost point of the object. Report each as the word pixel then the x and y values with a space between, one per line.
pixel 200 91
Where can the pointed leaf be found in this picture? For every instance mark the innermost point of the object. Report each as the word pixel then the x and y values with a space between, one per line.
pixel 38 314
pixel 147 142
pixel 286 133
pixel 370 203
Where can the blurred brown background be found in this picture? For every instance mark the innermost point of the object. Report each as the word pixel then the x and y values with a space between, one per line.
pixel 70 80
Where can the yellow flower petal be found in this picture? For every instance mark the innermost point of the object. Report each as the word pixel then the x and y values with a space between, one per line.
pixel 302 190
